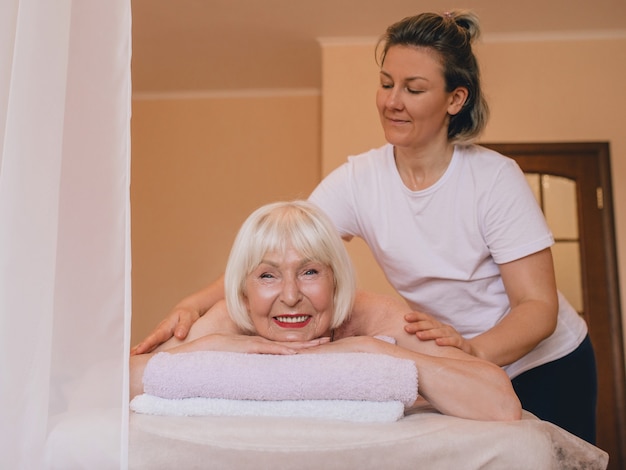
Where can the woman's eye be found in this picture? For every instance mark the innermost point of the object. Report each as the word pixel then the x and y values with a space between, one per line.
pixel 266 276
pixel 414 92
pixel 386 86
pixel 310 272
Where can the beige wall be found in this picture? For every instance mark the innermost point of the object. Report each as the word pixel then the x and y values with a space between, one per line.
pixel 199 167
pixel 559 89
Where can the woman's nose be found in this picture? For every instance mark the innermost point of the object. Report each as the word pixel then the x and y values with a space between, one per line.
pixel 290 294
pixel 393 99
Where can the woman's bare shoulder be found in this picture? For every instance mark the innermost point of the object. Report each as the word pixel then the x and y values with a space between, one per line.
pixel 375 315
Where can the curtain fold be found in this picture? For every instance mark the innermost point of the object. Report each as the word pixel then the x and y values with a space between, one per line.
pixel 64 232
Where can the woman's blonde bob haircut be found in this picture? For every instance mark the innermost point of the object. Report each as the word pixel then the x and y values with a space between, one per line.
pixel 276 227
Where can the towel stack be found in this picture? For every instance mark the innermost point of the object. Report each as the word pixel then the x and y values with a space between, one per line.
pixel 349 386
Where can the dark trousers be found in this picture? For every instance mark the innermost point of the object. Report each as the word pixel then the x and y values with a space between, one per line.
pixel 563 392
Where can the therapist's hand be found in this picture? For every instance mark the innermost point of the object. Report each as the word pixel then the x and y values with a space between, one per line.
pixel 425 328
pixel 177 324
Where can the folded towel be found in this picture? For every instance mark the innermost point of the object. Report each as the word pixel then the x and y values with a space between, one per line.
pixel 238 376
pixel 345 410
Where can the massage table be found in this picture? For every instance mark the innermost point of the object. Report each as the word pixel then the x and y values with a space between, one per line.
pixel 424 439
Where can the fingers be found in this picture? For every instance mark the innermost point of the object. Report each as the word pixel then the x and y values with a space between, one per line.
pixel 419 321
pixel 423 325
pixel 183 320
pixel 434 333
pixel 457 342
pixel 453 341
pixel 299 345
pixel 416 316
pixel 247 344
pixel 158 336
pixel 183 327
pixel 150 343
pixel 426 328
pixel 178 323
pixel 272 348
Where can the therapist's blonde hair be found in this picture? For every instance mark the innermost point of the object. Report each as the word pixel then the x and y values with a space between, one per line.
pixel 275 227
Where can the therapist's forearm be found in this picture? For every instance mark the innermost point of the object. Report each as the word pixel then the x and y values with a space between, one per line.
pixel 518 333
pixel 202 300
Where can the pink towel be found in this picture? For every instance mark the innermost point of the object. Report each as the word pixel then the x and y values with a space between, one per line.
pixel 237 376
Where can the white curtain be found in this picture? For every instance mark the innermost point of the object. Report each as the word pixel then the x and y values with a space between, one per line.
pixel 64 233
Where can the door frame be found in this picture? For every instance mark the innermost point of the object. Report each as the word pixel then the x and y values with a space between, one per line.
pixel 588 163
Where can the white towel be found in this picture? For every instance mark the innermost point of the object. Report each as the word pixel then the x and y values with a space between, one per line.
pixel 345 410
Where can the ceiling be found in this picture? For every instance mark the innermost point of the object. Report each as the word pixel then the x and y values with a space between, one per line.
pixel 221 45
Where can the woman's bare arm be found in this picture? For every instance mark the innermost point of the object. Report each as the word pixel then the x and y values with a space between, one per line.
pixel 454 382
pixel 531 287
pixel 450 380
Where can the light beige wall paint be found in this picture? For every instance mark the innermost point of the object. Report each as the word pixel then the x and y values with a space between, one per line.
pixel 539 90
pixel 199 167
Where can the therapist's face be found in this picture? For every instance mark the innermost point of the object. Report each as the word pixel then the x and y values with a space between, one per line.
pixel 413 104
pixel 289 297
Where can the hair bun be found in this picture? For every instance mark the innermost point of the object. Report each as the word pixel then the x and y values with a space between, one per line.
pixel 466 20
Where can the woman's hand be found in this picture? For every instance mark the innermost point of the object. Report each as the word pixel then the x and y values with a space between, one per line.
pixel 251 344
pixel 177 324
pixel 179 321
pixel 425 328
pixel 350 344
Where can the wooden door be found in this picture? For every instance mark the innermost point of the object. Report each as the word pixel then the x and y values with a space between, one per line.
pixel 587 165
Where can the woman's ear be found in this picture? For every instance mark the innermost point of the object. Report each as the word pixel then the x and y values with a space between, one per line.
pixel 458 97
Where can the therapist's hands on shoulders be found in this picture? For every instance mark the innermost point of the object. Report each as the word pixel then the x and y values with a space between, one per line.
pixel 425 328
pixel 176 324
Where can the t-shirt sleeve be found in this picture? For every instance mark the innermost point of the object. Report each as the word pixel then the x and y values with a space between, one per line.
pixel 514 225
pixel 334 196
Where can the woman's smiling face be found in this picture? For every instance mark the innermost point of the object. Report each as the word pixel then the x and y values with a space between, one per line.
pixel 289 297
pixel 412 100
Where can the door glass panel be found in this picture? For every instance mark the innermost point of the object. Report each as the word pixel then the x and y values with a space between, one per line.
pixel 534 181
pixel 567 270
pixel 557 197
pixel 560 206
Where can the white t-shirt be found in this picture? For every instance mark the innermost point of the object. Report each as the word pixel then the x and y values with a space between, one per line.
pixel 440 247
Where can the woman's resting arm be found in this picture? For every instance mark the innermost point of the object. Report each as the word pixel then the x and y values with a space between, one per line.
pixel 450 380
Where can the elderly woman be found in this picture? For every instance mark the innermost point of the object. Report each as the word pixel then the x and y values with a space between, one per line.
pixel 290 286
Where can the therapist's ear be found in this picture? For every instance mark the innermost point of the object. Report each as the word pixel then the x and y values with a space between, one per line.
pixel 457 100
